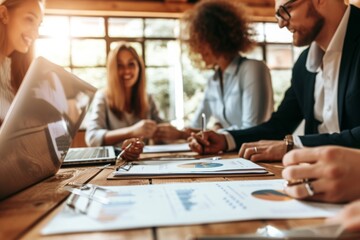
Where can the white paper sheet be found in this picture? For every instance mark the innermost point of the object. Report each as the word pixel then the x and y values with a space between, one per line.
pixel 182 147
pixel 186 203
pixel 206 166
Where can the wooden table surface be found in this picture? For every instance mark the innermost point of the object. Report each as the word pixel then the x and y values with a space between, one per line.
pixel 23 215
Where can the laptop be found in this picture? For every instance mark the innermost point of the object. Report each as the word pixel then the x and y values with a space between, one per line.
pixel 90 155
pixel 48 109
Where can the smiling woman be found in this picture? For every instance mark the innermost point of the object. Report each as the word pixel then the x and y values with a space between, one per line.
pixel 19 25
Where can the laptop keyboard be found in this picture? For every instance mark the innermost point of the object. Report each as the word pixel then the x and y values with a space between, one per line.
pixel 86 153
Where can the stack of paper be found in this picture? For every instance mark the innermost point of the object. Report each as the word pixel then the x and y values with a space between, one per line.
pixel 189 168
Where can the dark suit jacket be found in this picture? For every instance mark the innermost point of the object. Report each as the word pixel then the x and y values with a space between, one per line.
pixel 298 103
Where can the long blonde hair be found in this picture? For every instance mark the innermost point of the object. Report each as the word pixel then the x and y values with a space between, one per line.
pixel 20 62
pixel 115 91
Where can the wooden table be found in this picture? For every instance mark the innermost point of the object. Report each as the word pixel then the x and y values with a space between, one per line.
pixel 26 213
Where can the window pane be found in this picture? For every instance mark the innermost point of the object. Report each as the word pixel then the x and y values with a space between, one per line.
pixel 161 28
pixel 55 26
pixel 194 86
pixel 125 27
pixel 56 50
pixel 280 82
pixel 158 53
pixel 279 56
pixel 136 45
pixel 87 26
pixel 275 34
pixel 158 85
pixel 94 76
pixel 259 31
pixel 88 52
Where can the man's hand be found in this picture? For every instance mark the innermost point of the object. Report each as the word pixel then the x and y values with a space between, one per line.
pixel 208 142
pixel 334 173
pixel 263 150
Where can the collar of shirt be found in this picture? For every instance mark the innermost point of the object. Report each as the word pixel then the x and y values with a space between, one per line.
pixel 316 54
pixel 231 69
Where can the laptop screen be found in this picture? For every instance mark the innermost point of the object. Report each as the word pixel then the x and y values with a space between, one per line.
pixel 40 125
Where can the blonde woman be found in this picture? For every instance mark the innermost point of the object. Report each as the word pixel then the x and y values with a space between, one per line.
pixel 123 109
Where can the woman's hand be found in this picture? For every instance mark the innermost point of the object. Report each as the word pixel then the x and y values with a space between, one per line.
pixel 144 128
pixel 167 132
pixel 133 152
pixel 208 142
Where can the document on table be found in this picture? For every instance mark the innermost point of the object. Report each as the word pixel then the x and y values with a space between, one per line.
pixel 182 204
pixel 182 147
pixel 189 167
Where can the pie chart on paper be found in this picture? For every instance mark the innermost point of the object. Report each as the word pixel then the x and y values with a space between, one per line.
pixel 200 165
pixel 271 195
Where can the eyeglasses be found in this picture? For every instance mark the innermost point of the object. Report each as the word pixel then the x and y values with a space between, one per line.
pixel 282 13
pixel 83 196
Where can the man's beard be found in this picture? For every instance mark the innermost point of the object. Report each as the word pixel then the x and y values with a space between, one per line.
pixel 307 35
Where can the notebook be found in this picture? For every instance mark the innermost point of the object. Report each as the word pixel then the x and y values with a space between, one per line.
pixel 48 108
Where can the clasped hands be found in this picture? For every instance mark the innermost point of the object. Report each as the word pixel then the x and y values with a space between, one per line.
pixel 159 132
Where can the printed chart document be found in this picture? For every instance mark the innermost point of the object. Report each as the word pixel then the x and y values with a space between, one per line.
pixel 200 167
pixel 182 204
pixel 181 147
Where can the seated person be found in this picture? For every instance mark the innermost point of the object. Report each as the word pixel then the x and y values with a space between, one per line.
pixel 123 109
pixel 323 91
pixel 239 95
pixel 19 20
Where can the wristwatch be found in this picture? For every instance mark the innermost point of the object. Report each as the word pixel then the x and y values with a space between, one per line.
pixel 289 142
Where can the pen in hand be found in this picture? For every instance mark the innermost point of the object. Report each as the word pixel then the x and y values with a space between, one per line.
pixel 120 156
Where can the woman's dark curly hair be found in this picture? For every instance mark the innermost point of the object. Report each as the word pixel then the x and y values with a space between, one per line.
pixel 220 24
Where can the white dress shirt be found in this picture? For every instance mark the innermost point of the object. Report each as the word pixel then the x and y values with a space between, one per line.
pixel 247 98
pixel 327 66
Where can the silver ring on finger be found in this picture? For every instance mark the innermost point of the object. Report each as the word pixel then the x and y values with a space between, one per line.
pixel 255 149
pixel 310 189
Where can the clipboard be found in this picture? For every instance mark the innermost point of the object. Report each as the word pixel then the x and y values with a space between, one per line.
pixel 207 167
pixel 187 175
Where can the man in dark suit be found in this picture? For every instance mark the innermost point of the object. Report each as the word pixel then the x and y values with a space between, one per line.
pixel 325 86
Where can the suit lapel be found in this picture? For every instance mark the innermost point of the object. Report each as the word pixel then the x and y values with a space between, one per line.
pixel 352 36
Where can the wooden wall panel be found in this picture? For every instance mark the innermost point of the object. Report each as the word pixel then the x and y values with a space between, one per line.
pixel 259 9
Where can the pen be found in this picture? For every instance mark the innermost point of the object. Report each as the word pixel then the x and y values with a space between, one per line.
pixel 203 122
pixel 203 127
pixel 294 182
pixel 119 157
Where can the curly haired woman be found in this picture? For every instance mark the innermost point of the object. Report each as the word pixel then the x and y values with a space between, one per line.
pixel 239 95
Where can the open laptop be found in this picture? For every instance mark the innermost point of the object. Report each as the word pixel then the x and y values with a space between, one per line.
pixel 92 155
pixel 47 110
